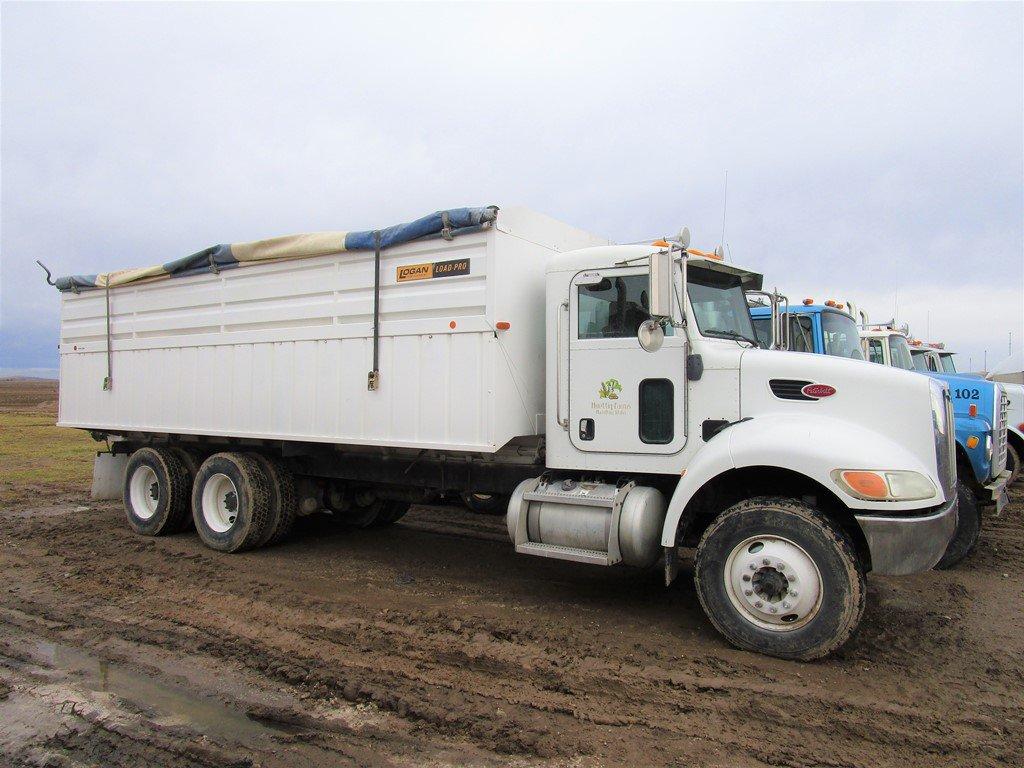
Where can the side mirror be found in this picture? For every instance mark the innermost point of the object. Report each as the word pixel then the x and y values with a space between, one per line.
pixel 651 335
pixel 661 284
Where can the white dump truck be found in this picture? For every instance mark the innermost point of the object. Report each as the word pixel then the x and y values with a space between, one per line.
pixel 616 393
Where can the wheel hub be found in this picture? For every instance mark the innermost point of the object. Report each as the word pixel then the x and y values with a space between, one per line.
pixel 220 503
pixel 144 492
pixel 773 583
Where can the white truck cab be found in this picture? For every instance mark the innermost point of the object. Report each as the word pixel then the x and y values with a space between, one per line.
pixel 667 424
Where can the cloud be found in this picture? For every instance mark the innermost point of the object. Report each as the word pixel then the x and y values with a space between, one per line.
pixel 864 143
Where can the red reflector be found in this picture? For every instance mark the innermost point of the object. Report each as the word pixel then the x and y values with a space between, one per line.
pixel 503 326
pixel 451 324
pixel 972 410
pixel 818 390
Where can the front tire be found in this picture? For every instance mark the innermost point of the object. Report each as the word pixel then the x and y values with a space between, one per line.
pixel 1013 463
pixel 231 502
pixel 156 492
pixel 778 577
pixel 968 528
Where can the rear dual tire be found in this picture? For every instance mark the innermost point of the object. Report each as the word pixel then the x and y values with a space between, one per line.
pixel 231 502
pixel 157 492
pixel 485 503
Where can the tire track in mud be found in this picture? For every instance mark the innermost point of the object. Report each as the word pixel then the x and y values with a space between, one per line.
pixel 518 674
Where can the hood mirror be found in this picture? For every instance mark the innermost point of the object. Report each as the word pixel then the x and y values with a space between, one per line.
pixel 651 335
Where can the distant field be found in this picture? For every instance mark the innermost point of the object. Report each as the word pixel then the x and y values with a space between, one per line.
pixel 38 460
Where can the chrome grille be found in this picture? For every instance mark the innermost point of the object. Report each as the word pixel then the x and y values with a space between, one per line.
pixel 947 458
pixel 1001 421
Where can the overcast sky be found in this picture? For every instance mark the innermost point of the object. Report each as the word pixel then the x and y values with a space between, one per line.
pixel 867 146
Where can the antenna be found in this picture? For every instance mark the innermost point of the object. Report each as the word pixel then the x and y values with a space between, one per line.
pixel 725 205
pixel 896 292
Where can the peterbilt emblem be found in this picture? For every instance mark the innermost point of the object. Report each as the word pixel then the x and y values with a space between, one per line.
pixel 818 391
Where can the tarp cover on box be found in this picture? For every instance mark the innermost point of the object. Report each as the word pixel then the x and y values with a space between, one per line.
pixel 448 223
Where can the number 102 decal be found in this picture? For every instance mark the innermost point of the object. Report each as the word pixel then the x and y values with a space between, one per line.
pixel 967 394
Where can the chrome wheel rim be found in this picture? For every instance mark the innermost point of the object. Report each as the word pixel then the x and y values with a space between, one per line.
pixel 773 583
pixel 220 503
pixel 144 492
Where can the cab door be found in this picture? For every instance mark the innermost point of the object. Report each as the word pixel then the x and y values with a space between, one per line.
pixel 622 398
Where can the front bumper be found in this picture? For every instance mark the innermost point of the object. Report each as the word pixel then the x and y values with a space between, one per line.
pixel 994 494
pixel 902 545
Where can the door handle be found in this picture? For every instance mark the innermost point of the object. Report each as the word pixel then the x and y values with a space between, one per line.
pixel 586 429
pixel 563 423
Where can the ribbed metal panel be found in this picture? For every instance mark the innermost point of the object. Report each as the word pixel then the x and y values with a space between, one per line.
pixel 999 439
pixel 789 389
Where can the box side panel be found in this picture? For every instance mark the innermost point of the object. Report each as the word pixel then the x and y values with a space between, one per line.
pixel 282 351
pixel 525 243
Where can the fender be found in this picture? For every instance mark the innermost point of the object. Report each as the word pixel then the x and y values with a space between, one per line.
pixel 981 428
pixel 811 445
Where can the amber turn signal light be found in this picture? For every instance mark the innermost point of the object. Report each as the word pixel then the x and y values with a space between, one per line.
pixel 870 484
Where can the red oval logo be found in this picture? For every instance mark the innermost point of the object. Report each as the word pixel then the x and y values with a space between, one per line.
pixel 818 391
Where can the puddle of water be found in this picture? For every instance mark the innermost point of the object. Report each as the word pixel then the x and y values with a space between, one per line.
pixel 174 704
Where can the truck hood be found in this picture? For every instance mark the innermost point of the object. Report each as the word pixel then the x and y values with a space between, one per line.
pixel 887 401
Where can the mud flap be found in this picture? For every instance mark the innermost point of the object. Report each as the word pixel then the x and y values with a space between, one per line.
pixel 671 565
pixel 108 476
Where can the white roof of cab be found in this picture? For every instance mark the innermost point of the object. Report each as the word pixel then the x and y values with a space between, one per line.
pixel 604 256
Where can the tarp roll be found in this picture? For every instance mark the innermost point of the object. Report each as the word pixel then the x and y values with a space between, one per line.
pixel 449 223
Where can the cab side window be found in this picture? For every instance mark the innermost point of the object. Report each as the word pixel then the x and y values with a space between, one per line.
pixel 875 354
pixel 614 307
pixel 801 334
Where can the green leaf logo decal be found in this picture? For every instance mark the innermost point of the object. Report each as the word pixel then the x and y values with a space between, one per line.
pixel 609 389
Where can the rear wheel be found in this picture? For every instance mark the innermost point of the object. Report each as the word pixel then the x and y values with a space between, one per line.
pixel 485 503
pixel 156 491
pixel 231 502
pixel 391 512
pixel 283 498
pixel 968 528
pixel 191 463
pixel 777 576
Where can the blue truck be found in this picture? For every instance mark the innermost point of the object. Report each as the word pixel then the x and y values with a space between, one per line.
pixel 979 406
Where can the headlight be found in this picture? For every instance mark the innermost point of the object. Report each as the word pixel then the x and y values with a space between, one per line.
pixel 988 447
pixel 938 406
pixel 883 485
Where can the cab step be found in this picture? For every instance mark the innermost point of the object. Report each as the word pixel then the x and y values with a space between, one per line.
pixel 576 554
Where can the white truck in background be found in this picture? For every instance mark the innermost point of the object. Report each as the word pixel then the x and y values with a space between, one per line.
pixel 615 391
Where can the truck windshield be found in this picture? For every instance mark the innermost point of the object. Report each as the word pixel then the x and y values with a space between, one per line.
pixel 899 352
pixel 920 361
pixel 842 339
pixel 948 366
pixel 719 304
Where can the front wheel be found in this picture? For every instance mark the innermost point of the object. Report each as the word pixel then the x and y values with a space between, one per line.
pixel 1013 460
pixel 778 577
pixel 968 528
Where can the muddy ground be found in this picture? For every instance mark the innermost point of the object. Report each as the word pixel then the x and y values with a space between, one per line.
pixel 432 643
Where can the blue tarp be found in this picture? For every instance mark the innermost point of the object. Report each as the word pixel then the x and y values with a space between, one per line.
pixel 450 223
